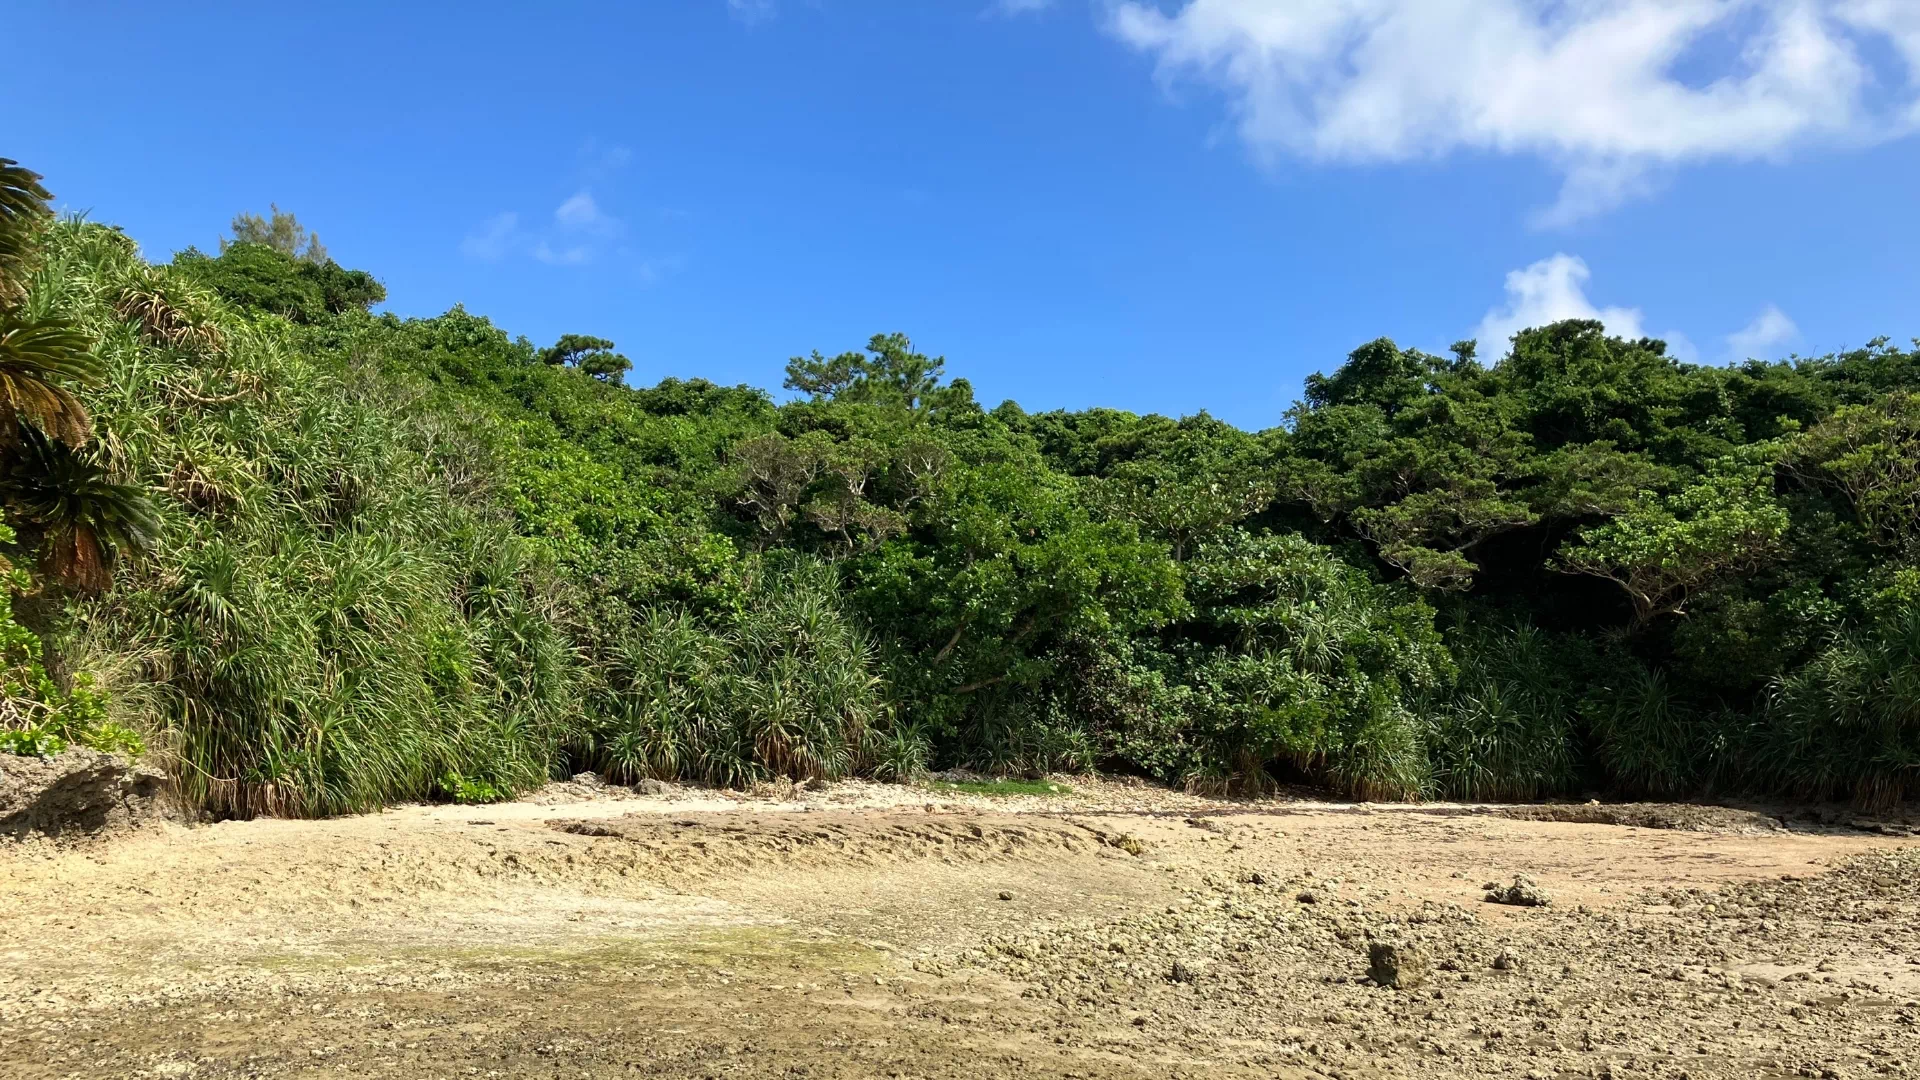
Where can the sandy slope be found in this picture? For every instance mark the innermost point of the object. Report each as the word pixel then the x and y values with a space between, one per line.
pixel 862 931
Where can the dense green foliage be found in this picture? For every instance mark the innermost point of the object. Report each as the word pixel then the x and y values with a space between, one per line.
pixel 420 558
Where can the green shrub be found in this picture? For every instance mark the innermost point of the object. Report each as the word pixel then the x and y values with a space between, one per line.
pixel 1849 721
pixel 1506 728
pixel 1312 663
pixel 459 789
pixel 264 278
pixel 31 742
pixel 785 686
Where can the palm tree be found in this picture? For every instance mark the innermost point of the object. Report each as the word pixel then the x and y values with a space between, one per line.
pixel 86 519
pixel 34 353
pixel 23 210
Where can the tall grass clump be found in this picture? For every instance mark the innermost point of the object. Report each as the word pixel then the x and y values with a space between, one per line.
pixel 324 628
pixel 783 687
pixel 1849 721
pixel 1651 739
pixel 1506 728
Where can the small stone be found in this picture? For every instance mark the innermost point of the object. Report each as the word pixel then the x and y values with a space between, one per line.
pixel 1005 895
pixel 1506 960
pixel 1306 897
pixel 1396 965
pixel 652 787
pixel 1181 972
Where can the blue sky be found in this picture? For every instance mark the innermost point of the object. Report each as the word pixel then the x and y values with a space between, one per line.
pixel 1162 207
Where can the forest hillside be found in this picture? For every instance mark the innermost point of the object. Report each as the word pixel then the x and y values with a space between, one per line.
pixel 317 559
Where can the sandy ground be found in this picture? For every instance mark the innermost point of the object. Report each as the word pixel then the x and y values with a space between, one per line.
pixel 864 930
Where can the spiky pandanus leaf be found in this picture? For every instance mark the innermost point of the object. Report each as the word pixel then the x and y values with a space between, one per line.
pixel 33 357
pixel 88 519
pixel 23 210
pixel 163 321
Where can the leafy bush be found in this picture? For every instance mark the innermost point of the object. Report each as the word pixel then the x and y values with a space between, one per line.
pixel 258 276
pixel 471 792
pixel 1292 655
pixel 783 687
pixel 31 742
pixel 1652 740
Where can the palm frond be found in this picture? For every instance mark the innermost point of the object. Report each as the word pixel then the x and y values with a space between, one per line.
pixel 88 519
pixel 33 356
pixel 23 212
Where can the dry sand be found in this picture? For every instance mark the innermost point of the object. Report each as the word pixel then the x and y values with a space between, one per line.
pixel 871 930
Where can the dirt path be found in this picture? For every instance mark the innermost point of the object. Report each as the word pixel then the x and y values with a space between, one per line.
pixel 887 931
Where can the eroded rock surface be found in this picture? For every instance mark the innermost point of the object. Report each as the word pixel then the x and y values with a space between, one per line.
pixel 77 792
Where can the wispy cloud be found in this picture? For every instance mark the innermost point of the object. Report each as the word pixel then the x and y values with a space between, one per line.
pixel 582 214
pixel 566 256
pixel 579 232
pixel 651 271
pixel 599 160
pixel 1612 94
pixel 1018 7
pixel 1769 329
pixel 494 239
pixel 752 12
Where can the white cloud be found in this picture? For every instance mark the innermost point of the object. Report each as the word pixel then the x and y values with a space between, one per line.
pixel 493 239
pixel 581 213
pixel 751 12
pixel 1555 288
pixel 1899 21
pixel 580 231
pixel 1769 328
pixel 1610 93
pixel 1681 347
pixel 1550 290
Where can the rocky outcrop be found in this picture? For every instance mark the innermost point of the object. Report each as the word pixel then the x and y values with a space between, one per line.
pixel 77 793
